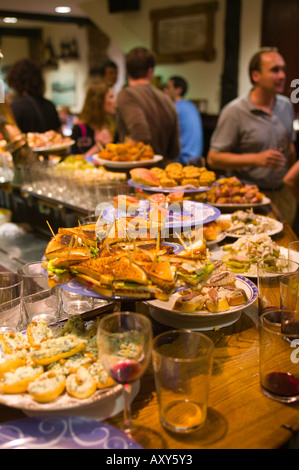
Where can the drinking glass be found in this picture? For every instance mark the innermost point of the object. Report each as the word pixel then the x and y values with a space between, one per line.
pixel 278 351
pixel 39 301
pixel 34 277
pixel 289 302
pixel 10 301
pixel 73 303
pixel 268 279
pixel 182 362
pixel 125 344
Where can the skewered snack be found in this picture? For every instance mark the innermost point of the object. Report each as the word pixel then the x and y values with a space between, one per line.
pixel 130 264
pixel 174 175
pixel 38 332
pixel 10 363
pixel 57 348
pixel 101 377
pixel 249 223
pixel 126 203
pixel 144 176
pixel 17 381
pixel 213 229
pixel 47 139
pixel 79 169
pixel 81 384
pixel 12 341
pixel 127 152
pixel 231 191
pixel 47 387
pixel 218 295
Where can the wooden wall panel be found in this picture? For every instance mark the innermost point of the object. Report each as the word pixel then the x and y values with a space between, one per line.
pixel 280 28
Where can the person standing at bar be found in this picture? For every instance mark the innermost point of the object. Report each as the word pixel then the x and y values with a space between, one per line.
pixel 32 112
pixel 95 127
pixel 145 113
pixel 109 73
pixel 254 137
pixel 191 130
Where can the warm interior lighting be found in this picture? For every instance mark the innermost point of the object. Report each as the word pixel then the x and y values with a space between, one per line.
pixel 10 20
pixel 62 9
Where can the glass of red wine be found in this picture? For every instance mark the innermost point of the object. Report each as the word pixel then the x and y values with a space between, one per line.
pixel 125 346
pixel 279 358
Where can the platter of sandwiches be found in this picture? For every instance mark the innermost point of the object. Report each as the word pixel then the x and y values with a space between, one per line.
pixel 219 303
pixel 108 262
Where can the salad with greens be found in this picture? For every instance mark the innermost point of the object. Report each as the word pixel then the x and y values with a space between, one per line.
pixel 242 256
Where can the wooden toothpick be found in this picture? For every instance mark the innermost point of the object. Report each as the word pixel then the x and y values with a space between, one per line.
pixel 51 230
pixel 181 240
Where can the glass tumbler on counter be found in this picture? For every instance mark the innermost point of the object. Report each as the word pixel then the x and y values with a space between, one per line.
pixel 74 304
pixel 278 358
pixel 10 302
pixel 39 301
pixel 268 279
pixel 182 362
pixel 289 302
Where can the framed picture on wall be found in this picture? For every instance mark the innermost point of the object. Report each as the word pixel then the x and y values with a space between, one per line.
pixel 184 33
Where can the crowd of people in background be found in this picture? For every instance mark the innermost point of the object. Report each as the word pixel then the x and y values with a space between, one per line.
pixel 254 137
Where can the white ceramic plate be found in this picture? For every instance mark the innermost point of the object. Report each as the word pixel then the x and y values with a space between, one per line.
pixel 54 148
pixel 163 313
pixel 264 202
pixel 278 227
pixel 102 404
pixel 218 254
pixel 133 164
pixel 160 189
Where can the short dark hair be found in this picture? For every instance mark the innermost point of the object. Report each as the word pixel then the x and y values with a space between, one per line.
pixel 25 75
pixel 138 61
pixel 107 63
pixel 180 82
pixel 256 61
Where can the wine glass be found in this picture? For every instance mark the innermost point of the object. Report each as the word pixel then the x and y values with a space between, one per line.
pixel 125 344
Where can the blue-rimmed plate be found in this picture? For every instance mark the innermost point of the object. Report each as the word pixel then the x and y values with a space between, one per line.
pixel 192 214
pixel 202 320
pixel 62 432
pixel 162 189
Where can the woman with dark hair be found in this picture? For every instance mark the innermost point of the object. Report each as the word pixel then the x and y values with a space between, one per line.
pixel 32 112
pixel 96 126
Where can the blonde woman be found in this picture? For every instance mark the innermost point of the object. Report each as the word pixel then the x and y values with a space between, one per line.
pixel 95 127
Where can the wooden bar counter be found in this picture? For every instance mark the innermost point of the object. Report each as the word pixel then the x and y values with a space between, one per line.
pixel 239 415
